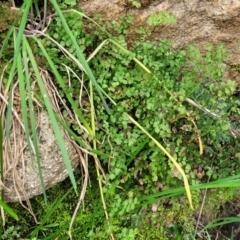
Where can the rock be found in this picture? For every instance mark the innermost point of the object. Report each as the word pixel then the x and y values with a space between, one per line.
pixel 199 22
pixel 22 179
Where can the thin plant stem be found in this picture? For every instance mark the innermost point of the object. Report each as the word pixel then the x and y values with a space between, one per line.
pixel 96 160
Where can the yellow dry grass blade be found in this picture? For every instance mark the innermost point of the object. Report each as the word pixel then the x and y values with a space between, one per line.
pixel 199 137
pixel 186 184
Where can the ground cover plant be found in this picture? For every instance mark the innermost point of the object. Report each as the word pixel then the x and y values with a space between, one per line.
pixel 154 119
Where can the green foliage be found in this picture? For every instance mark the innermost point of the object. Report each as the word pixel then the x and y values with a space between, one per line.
pixel 65 4
pixel 137 3
pixel 158 103
pixel 134 165
pixel 134 3
pixel 161 18
pixel 160 113
pixel 214 200
pixel 11 233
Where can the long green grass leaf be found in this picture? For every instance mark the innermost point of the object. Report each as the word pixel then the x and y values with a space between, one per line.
pixel 64 87
pixel 1 157
pixel 221 222
pixel 1 169
pixel 229 182
pixel 24 83
pixel 52 117
pixel 5 41
pixel 80 54
pixel 17 46
pixel 9 210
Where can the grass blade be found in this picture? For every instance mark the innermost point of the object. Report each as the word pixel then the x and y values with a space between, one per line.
pixel 18 40
pixel 230 182
pixel 5 41
pixel 24 83
pixel 52 208
pixel 52 117
pixel 96 160
pixel 1 156
pixel 63 86
pixel 8 209
pixel 80 54
pixel 220 222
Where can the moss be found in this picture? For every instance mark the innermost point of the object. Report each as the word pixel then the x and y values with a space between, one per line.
pixel 214 200
pixel 151 232
pixel 8 17
pixel 172 218
pixel 236 67
pixel 60 218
